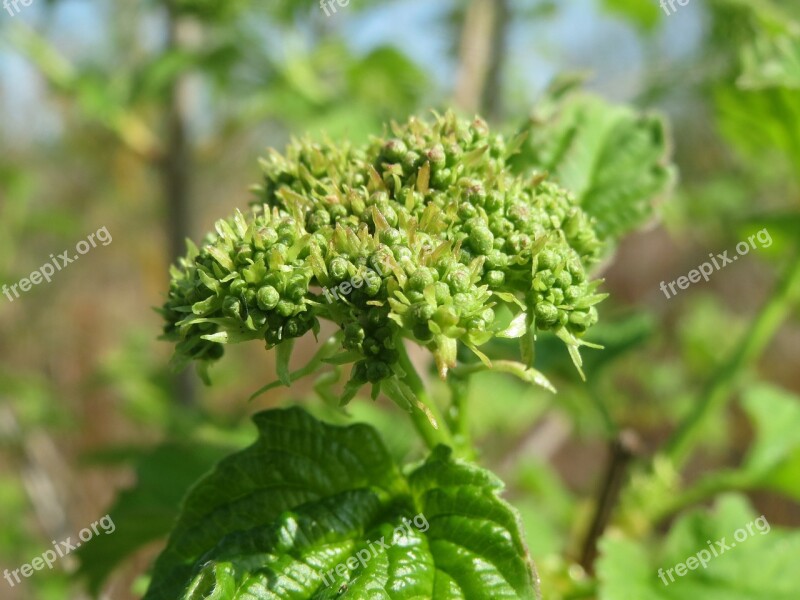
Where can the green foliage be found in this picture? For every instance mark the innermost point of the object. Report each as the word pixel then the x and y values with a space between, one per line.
pixel 759 568
pixel 755 122
pixel 645 15
pixel 328 89
pixel 247 73
pixel 614 160
pixel 759 114
pixel 773 462
pixel 771 62
pixel 273 519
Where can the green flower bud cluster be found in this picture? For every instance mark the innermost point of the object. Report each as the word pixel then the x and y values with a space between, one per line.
pixel 425 235
pixel 249 280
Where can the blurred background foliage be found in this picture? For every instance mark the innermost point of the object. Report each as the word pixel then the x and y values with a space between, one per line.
pixel 148 117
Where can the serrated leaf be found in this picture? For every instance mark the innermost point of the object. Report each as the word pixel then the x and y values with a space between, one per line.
pixel 761 123
pixel 276 520
pixel 759 566
pixel 613 159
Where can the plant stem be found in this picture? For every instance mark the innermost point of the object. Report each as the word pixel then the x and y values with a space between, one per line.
pixel 605 415
pixel 705 489
pixel 427 412
pixel 719 388
pixel 622 448
pixel 458 414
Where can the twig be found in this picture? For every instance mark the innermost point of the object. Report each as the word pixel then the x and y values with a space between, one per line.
pixel 622 449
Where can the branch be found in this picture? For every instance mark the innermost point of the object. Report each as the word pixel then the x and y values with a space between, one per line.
pixel 623 448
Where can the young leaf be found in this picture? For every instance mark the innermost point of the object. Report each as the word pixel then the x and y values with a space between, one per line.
pixel 758 566
pixel 613 159
pixel 276 520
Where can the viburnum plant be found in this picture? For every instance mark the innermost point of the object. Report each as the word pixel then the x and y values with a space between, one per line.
pixel 473 246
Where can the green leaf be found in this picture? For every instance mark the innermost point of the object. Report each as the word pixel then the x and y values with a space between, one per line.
pixel 761 123
pixel 771 62
pixel 276 520
pixel 613 159
pixel 774 459
pixel 644 15
pixel 386 78
pixel 762 566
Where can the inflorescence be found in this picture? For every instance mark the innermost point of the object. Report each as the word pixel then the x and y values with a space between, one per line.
pixel 460 239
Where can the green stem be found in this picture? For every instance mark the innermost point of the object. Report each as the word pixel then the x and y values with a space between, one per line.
pixel 421 416
pixel 720 387
pixel 608 421
pixel 459 414
pixel 705 489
